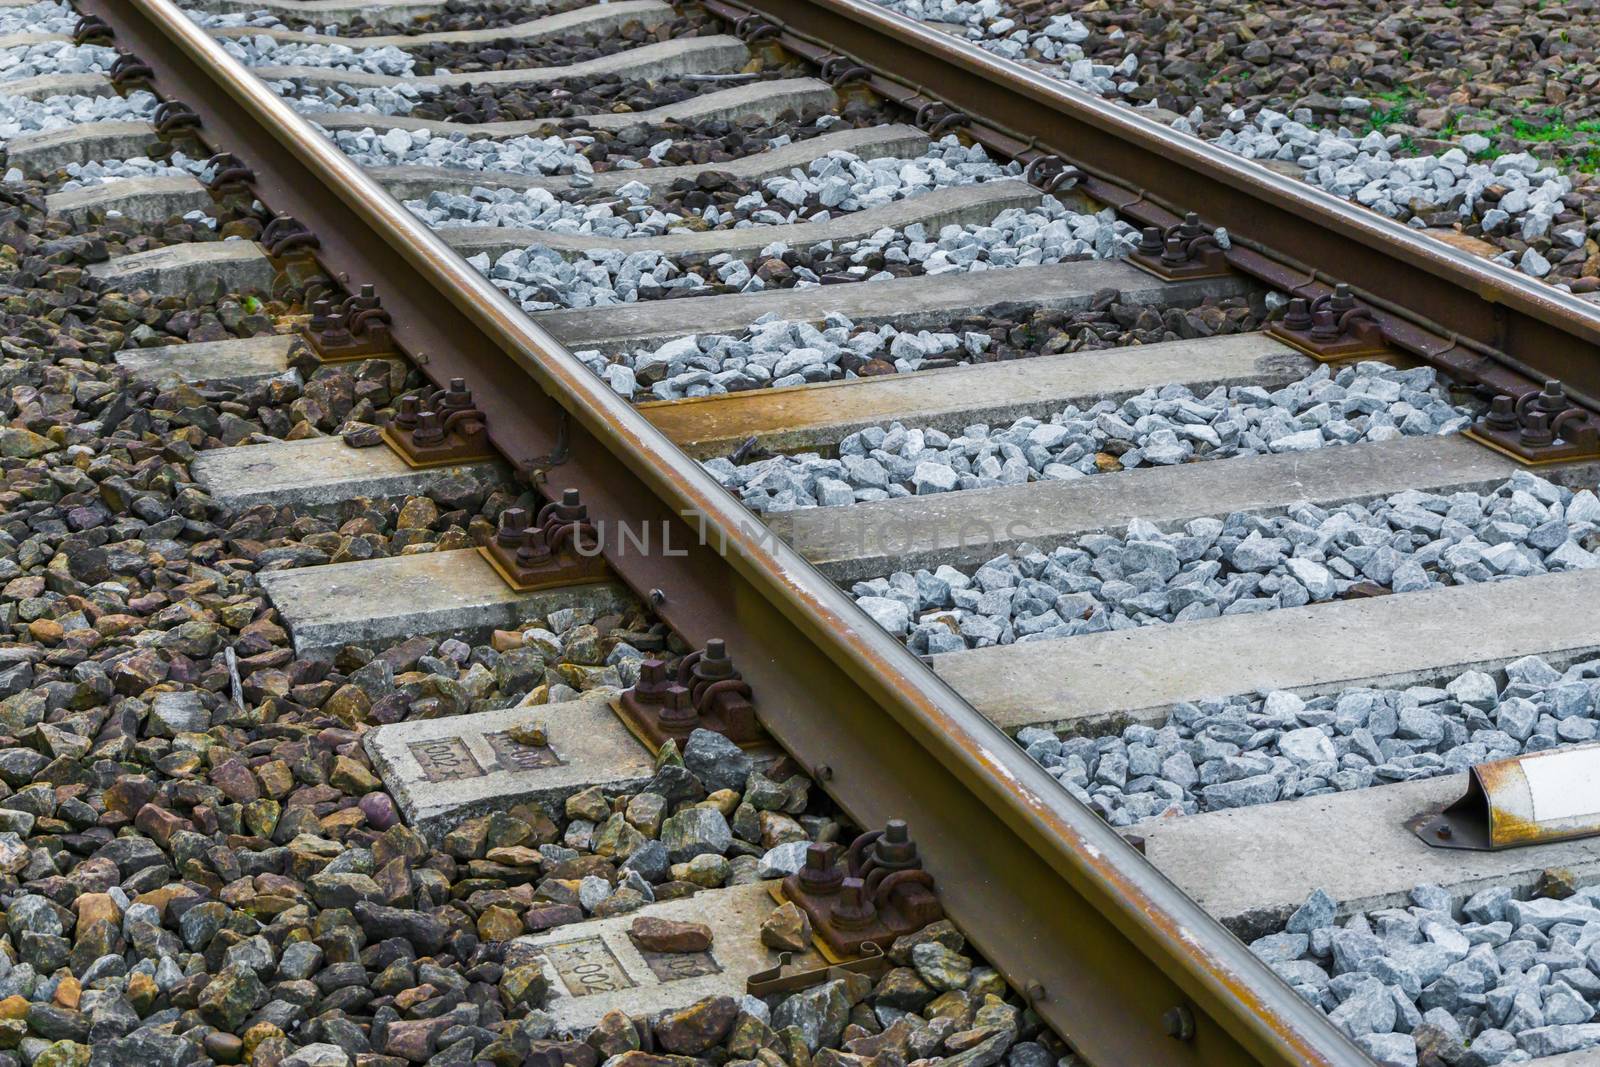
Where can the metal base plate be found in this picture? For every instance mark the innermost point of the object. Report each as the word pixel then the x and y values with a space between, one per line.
pixel 1188 272
pixel 1334 352
pixel 1527 461
pixel 651 736
pixel 422 463
pixel 557 579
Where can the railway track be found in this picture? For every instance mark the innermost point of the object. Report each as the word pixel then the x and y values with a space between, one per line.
pixel 873 414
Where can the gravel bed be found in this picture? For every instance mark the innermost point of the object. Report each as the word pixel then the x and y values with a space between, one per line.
pixel 573 97
pixel 102 171
pixel 583 152
pixel 50 16
pixel 264 51
pixel 1491 979
pixel 1245 563
pixel 1432 87
pixel 197 861
pixel 706 364
pixel 1247 750
pixel 1158 427
pixel 55 57
pixel 576 47
pixel 20 115
pixel 1528 208
pixel 311 99
pixel 457 15
pixel 838 183
pixel 542 279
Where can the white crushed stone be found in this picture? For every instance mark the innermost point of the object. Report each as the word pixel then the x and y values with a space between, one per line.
pixel 54 57
pixel 260 50
pixel 1406 542
pixel 19 115
pixel 1490 979
pixel 105 171
pixel 1158 427
pixel 459 151
pixel 397 99
pixel 541 279
pixel 772 352
pixel 1054 48
pixel 1247 750
pixel 48 17
pixel 842 181
pixel 1358 167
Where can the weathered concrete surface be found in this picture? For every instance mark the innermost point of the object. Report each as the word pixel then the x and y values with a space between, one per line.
pixel 44 153
pixel 443 771
pixel 686 55
pixel 144 199
pixel 876 537
pixel 1252 867
pixel 582 20
pixel 238 361
pixel 25 40
pixel 319 472
pixel 382 600
pixel 594 968
pixel 870 142
pixel 1096 682
pixel 817 417
pixel 764 98
pixel 47 85
pixel 178 269
pixel 915 303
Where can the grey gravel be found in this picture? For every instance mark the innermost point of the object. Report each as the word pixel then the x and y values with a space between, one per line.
pixel 772 352
pixel 48 17
pixel 1246 750
pixel 542 279
pixel 1244 563
pixel 843 182
pixel 54 57
pixel 1487 980
pixel 263 51
pixel 1158 427
pixel 19 115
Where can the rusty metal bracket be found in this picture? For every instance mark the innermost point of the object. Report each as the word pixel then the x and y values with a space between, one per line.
pixel 92 29
pixel 229 174
pixel 1330 328
pixel 558 547
pixel 1531 799
pixel 287 236
pixel 880 894
pixel 130 72
pixel 174 116
pixel 872 963
pixel 1538 428
pixel 707 693
pixel 357 328
pixel 1050 173
pixel 1184 251
pixel 439 430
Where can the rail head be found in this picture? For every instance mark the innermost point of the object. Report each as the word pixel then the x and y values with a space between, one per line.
pixel 1103 943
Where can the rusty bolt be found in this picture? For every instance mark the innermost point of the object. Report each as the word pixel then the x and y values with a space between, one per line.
pixel 1297 316
pixel 512 522
pixel 1502 413
pixel 1150 241
pixel 1536 432
pixel 819 874
pixel 1178 1021
pixel 854 908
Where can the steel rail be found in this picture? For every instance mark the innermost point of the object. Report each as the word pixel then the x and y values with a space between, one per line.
pixel 1107 950
pixel 1474 318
